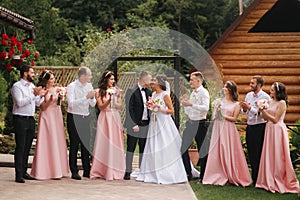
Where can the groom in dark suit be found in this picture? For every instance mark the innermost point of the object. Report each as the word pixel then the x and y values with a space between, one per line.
pixel 137 119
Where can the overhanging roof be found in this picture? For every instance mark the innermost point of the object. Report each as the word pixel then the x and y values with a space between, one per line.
pixel 16 20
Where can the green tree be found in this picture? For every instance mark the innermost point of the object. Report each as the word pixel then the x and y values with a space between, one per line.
pixel 101 13
pixel 180 15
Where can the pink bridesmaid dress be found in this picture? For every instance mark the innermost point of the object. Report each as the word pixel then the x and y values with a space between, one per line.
pixel 50 157
pixel 276 172
pixel 109 158
pixel 226 161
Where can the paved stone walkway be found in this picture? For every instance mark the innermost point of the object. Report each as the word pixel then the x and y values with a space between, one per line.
pixel 67 188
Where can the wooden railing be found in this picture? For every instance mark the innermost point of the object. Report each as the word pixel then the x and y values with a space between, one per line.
pixel 288 125
pixel 63 74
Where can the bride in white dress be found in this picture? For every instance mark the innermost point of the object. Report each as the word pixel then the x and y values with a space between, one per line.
pixel 162 162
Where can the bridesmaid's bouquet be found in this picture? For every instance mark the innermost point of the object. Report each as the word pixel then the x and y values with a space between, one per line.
pixel 263 104
pixel 113 91
pixel 61 91
pixel 217 109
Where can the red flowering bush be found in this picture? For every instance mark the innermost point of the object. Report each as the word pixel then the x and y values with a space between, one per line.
pixel 14 53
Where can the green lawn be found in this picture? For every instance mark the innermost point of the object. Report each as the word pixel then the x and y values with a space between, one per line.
pixel 206 192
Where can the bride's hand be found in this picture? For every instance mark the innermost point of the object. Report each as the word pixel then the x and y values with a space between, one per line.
pixel 163 111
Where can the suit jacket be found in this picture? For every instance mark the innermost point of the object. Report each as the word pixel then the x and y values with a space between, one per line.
pixel 134 107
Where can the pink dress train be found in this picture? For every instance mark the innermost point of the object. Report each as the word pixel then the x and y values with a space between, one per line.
pixel 109 158
pixel 50 157
pixel 276 172
pixel 226 161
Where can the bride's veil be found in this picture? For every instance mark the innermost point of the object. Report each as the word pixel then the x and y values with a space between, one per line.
pixel 168 90
pixel 211 140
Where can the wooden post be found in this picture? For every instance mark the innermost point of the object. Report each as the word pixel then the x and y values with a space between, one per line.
pixel 115 65
pixel 240 7
pixel 176 88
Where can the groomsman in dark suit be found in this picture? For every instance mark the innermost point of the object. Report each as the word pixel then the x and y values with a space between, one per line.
pixel 137 119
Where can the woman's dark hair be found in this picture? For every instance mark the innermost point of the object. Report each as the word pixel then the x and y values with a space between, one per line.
pixel 103 82
pixel 232 88
pixel 161 80
pixel 280 92
pixel 44 78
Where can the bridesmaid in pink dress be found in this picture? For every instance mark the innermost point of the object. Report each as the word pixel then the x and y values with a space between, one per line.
pixel 109 159
pixel 276 172
pixel 226 162
pixel 50 157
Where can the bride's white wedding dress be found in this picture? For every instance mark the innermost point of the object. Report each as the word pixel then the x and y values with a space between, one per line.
pixel 162 162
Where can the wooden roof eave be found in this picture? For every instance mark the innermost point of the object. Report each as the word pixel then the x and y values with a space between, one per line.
pixel 233 26
pixel 16 20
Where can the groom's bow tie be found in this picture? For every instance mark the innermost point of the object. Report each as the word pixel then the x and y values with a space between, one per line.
pixel 143 89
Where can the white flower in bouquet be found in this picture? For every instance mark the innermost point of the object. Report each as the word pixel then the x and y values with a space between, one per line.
pixel 154 104
pixel 61 91
pixel 217 109
pixel 263 104
pixel 111 91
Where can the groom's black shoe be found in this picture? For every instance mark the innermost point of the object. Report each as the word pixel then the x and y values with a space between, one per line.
pixel 28 177
pixel 127 176
pixel 20 180
pixel 190 177
pixel 86 175
pixel 76 176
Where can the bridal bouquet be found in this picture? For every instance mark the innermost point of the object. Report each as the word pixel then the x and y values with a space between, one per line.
pixel 154 104
pixel 263 104
pixel 61 91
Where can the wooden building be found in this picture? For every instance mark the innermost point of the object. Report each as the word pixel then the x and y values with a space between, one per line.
pixel 264 40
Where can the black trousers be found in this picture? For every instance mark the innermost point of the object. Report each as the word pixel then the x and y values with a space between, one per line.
pixel 255 139
pixel 24 134
pixel 79 133
pixel 132 140
pixel 197 130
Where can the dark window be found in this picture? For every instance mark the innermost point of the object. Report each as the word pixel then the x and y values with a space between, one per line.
pixel 284 16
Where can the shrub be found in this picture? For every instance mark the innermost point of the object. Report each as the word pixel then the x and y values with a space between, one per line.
pixel 7 144
pixel 295 145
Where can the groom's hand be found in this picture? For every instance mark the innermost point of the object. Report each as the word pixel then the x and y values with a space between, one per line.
pixel 136 129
